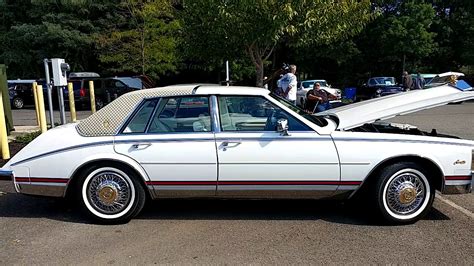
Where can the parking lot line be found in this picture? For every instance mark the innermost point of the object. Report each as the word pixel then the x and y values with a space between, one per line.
pixel 454 205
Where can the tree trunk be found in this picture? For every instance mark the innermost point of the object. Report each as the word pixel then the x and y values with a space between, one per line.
pixel 259 73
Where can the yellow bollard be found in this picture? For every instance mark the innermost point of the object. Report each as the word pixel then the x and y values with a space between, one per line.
pixel 72 105
pixel 35 96
pixel 3 132
pixel 42 114
pixel 92 93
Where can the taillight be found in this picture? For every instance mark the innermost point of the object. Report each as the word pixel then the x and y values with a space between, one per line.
pixel 82 92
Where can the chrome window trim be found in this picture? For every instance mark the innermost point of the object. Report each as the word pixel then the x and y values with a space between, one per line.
pixel 215 120
pixel 153 113
pixel 276 104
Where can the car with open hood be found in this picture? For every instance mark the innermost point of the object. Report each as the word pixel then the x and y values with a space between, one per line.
pixel 210 141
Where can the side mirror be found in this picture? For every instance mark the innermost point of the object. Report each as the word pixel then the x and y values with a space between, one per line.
pixel 282 127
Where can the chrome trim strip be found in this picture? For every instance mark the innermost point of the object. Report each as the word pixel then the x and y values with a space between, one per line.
pixel 6 175
pixel 457 182
pixel 291 138
pixel 277 187
pixel 99 143
pixel 216 125
pixel 153 113
pixel 39 189
pixel 195 187
pixel 457 189
pixel 402 140
pixel 278 163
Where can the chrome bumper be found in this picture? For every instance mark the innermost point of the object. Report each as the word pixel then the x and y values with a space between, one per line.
pixel 6 175
pixel 458 187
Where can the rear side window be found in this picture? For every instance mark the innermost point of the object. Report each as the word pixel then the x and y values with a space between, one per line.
pixel 181 114
pixel 140 120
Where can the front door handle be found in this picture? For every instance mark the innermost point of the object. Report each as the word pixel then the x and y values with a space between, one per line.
pixel 229 144
pixel 141 145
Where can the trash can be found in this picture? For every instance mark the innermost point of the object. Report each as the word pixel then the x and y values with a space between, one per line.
pixel 350 93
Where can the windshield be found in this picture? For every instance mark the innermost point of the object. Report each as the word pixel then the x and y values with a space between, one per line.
pixel 388 81
pixel 309 84
pixel 319 121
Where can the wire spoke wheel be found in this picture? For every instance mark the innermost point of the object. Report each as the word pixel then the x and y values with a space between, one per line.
pixel 405 193
pixel 112 195
pixel 109 192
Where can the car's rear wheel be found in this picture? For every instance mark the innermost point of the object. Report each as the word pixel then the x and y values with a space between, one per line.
pixel 111 195
pixel 403 193
pixel 18 103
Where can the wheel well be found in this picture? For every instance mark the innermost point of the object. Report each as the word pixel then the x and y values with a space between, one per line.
pixel 434 172
pixel 75 178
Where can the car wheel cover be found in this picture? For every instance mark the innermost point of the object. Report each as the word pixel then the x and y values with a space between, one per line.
pixel 18 103
pixel 406 194
pixel 108 193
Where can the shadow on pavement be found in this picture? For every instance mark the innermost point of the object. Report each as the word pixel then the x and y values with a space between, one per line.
pixel 21 206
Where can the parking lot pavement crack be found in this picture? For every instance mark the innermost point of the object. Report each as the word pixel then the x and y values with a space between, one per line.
pixel 454 205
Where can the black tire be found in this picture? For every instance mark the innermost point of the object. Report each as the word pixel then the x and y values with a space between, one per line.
pixel 112 200
pixel 402 193
pixel 18 103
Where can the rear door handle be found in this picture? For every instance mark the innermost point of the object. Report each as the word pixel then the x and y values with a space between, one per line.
pixel 141 145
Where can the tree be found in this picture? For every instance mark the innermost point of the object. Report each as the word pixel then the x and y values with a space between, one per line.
pixel 145 42
pixel 221 29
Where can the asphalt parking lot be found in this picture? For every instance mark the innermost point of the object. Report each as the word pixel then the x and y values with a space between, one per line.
pixel 48 231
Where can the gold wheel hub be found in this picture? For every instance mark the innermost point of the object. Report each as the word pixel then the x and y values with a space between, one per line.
pixel 407 195
pixel 108 195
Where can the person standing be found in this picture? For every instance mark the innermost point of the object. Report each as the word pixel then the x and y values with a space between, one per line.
pixel 419 82
pixel 317 100
pixel 407 81
pixel 288 84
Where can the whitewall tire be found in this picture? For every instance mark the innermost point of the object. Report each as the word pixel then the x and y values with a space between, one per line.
pixel 111 195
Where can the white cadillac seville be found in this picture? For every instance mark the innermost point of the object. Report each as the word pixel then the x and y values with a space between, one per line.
pixel 214 141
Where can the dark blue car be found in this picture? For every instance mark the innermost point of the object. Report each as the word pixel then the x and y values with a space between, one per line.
pixel 378 87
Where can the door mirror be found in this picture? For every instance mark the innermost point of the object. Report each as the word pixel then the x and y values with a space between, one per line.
pixel 282 127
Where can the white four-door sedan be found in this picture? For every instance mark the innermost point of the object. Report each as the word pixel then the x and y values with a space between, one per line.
pixel 239 142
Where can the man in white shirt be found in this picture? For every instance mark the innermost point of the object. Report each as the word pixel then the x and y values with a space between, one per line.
pixel 288 85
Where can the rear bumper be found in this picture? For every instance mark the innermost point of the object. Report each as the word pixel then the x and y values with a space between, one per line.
pixel 458 184
pixel 6 175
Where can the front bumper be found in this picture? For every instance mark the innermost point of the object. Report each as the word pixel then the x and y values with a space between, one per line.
pixel 461 185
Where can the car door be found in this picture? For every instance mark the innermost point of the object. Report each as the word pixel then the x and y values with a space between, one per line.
pixel 172 139
pixel 257 161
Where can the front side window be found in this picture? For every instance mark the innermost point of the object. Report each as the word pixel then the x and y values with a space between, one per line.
pixel 252 113
pixel 181 114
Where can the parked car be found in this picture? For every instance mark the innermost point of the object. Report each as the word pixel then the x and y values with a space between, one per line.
pixel 105 89
pixel 20 92
pixel 377 87
pixel 307 85
pixel 206 141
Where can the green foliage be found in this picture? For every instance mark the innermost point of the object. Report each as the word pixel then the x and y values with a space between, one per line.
pixel 28 137
pixel 217 30
pixel 145 44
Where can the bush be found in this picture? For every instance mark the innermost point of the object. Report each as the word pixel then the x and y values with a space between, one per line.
pixel 28 137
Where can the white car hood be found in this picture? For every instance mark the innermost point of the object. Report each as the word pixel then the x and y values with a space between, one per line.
pixel 357 114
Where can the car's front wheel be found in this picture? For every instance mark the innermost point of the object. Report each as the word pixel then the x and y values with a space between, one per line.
pixel 403 193
pixel 18 103
pixel 111 195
